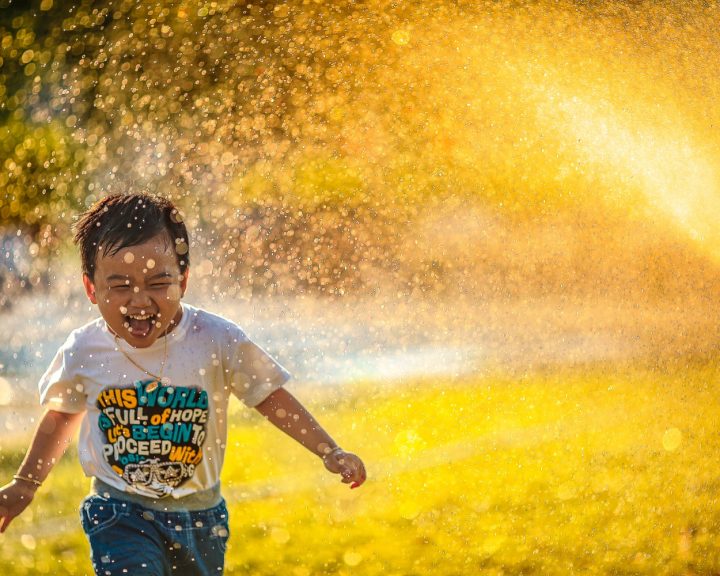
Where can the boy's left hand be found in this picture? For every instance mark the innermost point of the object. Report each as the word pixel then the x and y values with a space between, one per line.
pixel 348 465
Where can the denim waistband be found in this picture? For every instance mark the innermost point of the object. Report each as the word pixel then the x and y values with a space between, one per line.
pixel 201 500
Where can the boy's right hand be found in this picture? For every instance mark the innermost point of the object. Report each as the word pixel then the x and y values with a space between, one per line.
pixel 14 498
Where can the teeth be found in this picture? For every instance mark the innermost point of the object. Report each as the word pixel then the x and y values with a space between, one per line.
pixel 140 316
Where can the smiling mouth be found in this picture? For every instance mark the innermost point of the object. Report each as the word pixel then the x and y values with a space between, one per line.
pixel 141 325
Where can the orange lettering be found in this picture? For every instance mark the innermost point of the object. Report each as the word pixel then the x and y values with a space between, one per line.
pixel 129 398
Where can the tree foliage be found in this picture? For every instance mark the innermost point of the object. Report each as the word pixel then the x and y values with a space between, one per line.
pixel 258 117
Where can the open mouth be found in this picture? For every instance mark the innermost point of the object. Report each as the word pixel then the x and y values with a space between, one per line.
pixel 141 325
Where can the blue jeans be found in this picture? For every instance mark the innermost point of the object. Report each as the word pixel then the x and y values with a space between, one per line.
pixel 127 538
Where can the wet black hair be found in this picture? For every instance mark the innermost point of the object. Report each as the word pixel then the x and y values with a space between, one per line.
pixel 123 220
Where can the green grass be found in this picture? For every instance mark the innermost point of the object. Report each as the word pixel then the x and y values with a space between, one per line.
pixel 595 471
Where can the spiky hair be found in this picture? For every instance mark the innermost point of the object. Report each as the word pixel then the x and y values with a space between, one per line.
pixel 123 220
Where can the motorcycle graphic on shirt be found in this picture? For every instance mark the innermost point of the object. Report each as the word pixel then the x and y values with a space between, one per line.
pixel 153 434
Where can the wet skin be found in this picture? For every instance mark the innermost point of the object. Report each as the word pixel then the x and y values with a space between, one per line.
pixel 138 290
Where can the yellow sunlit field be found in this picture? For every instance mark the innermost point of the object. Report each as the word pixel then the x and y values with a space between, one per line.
pixel 599 470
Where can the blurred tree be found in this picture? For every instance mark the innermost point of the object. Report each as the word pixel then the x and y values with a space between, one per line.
pixel 304 138
pixel 41 160
pixel 213 104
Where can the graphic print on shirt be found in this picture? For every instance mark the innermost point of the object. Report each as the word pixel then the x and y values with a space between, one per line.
pixel 153 439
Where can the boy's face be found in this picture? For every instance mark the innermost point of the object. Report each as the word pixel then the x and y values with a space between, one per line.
pixel 138 290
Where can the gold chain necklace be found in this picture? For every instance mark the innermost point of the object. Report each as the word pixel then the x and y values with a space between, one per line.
pixel 158 379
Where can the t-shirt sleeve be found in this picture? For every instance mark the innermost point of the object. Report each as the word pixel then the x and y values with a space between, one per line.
pixel 253 373
pixel 60 387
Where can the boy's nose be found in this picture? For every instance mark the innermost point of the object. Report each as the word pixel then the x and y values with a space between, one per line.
pixel 140 297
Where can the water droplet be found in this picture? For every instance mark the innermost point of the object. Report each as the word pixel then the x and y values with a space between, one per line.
pixel 672 439
pixel 173 292
pixel 409 510
pixel 281 11
pixel 6 394
pixel 28 541
pixel 352 558
pixel 401 37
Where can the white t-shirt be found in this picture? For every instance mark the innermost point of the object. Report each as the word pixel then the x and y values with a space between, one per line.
pixel 171 440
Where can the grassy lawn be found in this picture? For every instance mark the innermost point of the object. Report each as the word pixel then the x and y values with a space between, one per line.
pixel 595 471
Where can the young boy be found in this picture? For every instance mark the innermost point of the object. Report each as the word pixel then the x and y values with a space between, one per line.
pixel 149 382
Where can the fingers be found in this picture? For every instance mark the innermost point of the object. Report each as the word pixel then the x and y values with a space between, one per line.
pixel 4 522
pixel 348 465
pixel 4 518
pixel 362 477
pixel 353 471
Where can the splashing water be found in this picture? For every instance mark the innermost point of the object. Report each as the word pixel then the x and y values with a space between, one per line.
pixel 548 156
pixel 676 178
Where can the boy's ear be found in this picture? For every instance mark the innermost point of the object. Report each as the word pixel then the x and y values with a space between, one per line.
pixel 89 288
pixel 184 281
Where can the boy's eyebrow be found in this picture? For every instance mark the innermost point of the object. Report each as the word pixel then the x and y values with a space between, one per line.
pixel 123 277
pixel 160 275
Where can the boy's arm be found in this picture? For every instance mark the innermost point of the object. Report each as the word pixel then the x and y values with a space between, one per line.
pixel 284 411
pixel 52 436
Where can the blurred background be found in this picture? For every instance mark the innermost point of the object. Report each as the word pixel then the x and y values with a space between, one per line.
pixel 377 191
pixel 460 181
